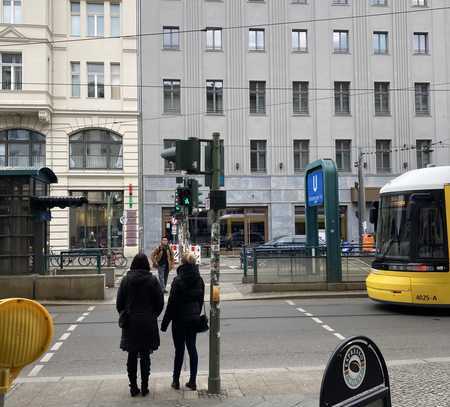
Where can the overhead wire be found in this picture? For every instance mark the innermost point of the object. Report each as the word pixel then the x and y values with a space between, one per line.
pixel 234 27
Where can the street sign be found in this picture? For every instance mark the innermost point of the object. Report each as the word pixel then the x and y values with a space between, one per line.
pixel 356 376
pixel 314 183
pixel 123 220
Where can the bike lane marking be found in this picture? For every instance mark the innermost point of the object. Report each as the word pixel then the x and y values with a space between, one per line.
pixel 317 321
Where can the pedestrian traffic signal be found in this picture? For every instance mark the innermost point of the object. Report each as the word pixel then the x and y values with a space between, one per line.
pixel 177 202
pixel 185 154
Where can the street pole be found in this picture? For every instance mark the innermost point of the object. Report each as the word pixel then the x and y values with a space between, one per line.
pixel 361 197
pixel 214 332
pixel 2 399
pixel 108 210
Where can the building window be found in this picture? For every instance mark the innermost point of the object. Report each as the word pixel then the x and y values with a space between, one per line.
pixel 256 39
pixel 300 92
pixel 258 156
pixel 95 19
pixel 301 155
pixel 75 72
pixel 172 96
pixel 22 148
pixel 11 71
pixel 171 37
pixel 299 1
pixel 257 97
pixel 88 225
pixel 115 81
pixel 380 42
pixel 96 149
pixel 382 98
pixel 378 2
pixel 343 155
pixel 421 43
pixel 383 153
pixel 168 165
pixel 214 97
pixel 423 150
pixel 340 2
pixel 75 19
pixel 12 11
pixel 214 39
pixel 342 98
pixel 115 19
pixel 341 41
pixel 300 40
pixel 96 80
pixel 419 3
pixel 422 96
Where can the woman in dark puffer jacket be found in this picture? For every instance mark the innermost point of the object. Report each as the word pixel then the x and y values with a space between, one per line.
pixel 183 310
pixel 141 295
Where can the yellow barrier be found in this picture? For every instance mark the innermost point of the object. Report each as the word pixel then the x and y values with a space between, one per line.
pixel 26 331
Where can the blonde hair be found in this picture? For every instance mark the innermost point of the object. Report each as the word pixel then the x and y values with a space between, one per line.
pixel 189 258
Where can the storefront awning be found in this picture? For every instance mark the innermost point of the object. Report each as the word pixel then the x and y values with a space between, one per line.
pixel 48 202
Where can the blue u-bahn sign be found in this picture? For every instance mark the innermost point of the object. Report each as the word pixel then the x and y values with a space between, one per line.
pixel 314 183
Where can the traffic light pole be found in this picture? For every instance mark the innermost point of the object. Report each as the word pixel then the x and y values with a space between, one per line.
pixel 361 198
pixel 214 332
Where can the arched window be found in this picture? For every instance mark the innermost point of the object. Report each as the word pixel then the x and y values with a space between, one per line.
pixel 22 148
pixel 96 149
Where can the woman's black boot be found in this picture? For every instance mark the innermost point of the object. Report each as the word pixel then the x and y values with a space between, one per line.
pixel 134 390
pixel 176 385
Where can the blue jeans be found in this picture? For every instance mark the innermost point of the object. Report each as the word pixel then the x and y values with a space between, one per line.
pixel 163 275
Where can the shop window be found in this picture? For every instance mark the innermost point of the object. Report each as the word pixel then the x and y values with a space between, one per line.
pixel 89 223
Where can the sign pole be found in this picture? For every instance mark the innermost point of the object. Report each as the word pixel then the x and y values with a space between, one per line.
pixel 2 400
pixel 214 332
pixel 361 198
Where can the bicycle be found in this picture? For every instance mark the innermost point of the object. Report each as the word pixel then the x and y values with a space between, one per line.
pixel 117 259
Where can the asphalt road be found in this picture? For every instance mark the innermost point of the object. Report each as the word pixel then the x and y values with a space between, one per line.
pixel 255 334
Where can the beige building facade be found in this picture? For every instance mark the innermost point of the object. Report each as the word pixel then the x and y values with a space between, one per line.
pixel 68 101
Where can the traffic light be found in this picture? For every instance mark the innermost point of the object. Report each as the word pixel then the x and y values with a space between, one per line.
pixel 185 155
pixel 193 186
pixel 209 164
pixel 177 207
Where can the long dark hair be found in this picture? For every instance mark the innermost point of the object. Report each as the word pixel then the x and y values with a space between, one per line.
pixel 140 262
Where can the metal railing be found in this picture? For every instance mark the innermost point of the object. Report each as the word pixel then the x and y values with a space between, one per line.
pixel 76 258
pixel 304 264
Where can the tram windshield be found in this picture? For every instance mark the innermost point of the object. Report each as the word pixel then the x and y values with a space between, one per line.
pixel 412 227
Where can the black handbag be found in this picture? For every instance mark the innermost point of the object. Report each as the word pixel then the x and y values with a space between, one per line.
pixel 202 325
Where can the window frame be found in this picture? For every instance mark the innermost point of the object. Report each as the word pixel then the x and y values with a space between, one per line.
pixel 14 66
pixel 341 33
pixel 377 50
pixel 300 98
pixel 85 143
pixel 115 16
pixel 421 39
pixel 260 97
pixel 215 32
pixel 75 15
pixel 96 17
pixel 383 153
pixel 422 152
pixel 343 149
pixel 382 98
pixel 73 84
pixel 97 84
pixel 115 77
pixel 259 149
pixel 297 32
pixel 30 142
pixel 13 17
pixel 172 92
pixel 419 95
pixel 173 33
pixel 216 93
pixel 257 32
pixel 340 95
pixel 301 150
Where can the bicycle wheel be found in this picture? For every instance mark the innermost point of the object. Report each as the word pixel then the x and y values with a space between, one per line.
pixel 120 260
pixel 53 260
pixel 85 260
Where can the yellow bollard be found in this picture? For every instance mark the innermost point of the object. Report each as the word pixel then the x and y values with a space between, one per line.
pixel 26 331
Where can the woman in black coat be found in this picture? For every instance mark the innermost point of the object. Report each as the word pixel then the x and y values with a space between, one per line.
pixel 183 310
pixel 141 297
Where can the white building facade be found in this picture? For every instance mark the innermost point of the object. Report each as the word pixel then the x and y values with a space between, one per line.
pixel 69 102
pixel 287 82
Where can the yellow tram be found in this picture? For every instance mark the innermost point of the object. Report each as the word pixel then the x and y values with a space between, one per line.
pixel 413 240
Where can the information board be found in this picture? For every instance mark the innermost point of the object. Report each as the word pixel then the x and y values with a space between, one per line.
pixel 315 190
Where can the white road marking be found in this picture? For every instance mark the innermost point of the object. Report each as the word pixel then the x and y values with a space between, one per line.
pixel 317 320
pixel 64 336
pixel 289 302
pixel 56 346
pixel 80 319
pixel 85 314
pixel 329 329
pixel 46 357
pixel 308 314
pixel 90 309
pixel 35 371
pixel 339 336
pixel 301 310
pixel 72 327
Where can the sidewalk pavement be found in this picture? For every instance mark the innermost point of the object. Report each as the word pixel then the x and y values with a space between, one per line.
pixel 416 382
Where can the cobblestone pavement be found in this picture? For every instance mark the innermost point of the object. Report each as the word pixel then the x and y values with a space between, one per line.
pixel 414 383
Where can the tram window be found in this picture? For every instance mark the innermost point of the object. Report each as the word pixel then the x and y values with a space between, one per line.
pixel 431 236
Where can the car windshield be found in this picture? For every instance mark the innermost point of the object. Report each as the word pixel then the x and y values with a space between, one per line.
pixel 412 227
